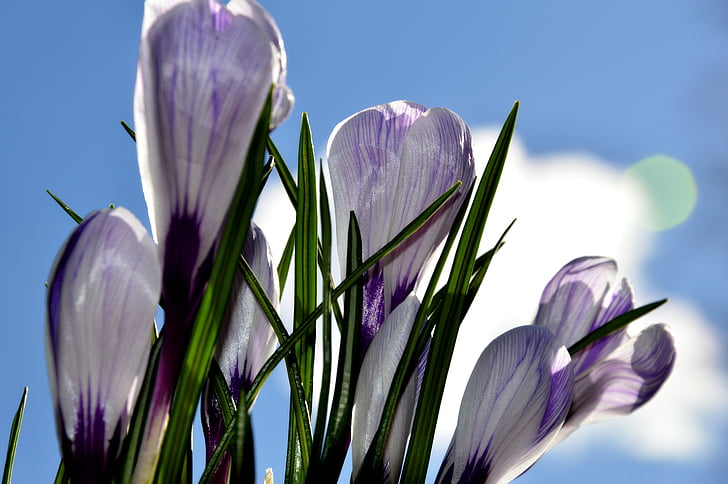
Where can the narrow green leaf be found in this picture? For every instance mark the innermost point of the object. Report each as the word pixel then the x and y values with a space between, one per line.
pixel 305 263
pixel 212 308
pixel 285 263
pixel 289 183
pixel 128 130
pixel 338 433
pixel 61 476
pixel 219 386
pixel 325 215
pixel 76 217
pixel 133 440
pixel 292 191
pixel 242 467
pixel 13 440
pixel 449 318
pixel 481 266
pixel 615 324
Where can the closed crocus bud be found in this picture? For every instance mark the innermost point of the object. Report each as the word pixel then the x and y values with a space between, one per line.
pixel 513 407
pixel 246 340
pixel 205 71
pixel 388 164
pixel 204 74
pixel 103 293
pixel 616 374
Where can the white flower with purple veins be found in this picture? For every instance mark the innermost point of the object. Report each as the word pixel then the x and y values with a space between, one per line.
pixel 614 375
pixel 204 73
pixel 246 340
pixel 513 407
pixel 388 164
pixel 103 293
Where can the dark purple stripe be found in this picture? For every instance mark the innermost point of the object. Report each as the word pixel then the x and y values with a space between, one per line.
pixel 372 309
pixel 180 290
pixel 89 461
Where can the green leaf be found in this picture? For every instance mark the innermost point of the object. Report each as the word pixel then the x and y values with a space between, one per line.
pixel 285 262
pixel 325 263
pixel 61 476
pixel 133 440
pixel 76 217
pixel 615 324
pixel 217 384
pixel 242 467
pixel 208 321
pixel 289 183
pixel 128 130
pixel 448 319
pixel 305 260
pixel 13 440
pixel 338 433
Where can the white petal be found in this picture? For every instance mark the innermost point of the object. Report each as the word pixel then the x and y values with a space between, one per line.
pixel 375 379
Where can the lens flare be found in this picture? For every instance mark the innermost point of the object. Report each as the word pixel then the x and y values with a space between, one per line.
pixel 669 188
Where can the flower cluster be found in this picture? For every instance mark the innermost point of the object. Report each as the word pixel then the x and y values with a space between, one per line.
pixel 211 85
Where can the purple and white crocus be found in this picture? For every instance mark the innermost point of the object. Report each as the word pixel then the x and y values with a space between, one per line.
pixel 103 293
pixel 619 373
pixel 504 425
pixel 204 73
pixel 387 164
pixel 513 407
pixel 246 341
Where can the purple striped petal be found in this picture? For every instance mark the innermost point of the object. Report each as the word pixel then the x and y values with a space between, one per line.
pixel 375 378
pixel 282 96
pixel 364 154
pixel 573 298
pixel 387 164
pixel 624 381
pixel 202 79
pixel 618 303
pixel 513 406
pixel 436 154
pixel 246 339
pixel 579 299
pixel 102 296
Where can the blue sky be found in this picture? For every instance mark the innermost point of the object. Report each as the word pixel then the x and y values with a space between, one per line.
pixel 601 85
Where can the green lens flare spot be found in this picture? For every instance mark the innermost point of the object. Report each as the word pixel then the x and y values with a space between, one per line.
pixel 669 188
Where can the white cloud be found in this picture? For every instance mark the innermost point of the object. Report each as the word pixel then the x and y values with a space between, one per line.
pixel 569 205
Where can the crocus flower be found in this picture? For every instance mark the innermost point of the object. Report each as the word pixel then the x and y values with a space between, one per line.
pixel 204 73
pixel 373 384
pixel 246 340
pixel 619 373
pixel 387 164
pixel 513 407
pixel 103 293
